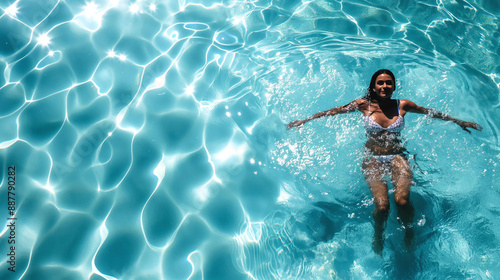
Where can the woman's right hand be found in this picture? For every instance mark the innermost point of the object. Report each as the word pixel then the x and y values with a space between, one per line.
pixel 466 125
pixel 295 124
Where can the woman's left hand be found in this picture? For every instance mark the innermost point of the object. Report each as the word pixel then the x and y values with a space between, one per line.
pixel 466 125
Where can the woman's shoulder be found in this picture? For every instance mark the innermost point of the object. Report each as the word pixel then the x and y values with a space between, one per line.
pixel 361 104
pixel 359 101
pixel 405 102
pixel 409 106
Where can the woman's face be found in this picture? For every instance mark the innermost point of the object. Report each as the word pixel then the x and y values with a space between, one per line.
pixel 384 86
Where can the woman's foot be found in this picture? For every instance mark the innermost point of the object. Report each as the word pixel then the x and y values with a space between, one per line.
pixel 409 238
pixel 378 243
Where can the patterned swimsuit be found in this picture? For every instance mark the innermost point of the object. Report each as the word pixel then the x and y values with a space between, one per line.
pixel 373 127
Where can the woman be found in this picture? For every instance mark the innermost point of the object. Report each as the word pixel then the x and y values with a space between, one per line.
pixel 384 121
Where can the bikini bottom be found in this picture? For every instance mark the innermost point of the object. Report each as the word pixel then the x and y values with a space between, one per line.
pixel 384 158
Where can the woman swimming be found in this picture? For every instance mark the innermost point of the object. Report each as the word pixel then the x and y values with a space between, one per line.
pixel 384 121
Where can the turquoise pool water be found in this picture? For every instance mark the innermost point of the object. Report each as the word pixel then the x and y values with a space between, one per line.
pixel 146 139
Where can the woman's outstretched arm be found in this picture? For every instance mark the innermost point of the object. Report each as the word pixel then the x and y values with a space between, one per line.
pixel 331 112
pixel 410 106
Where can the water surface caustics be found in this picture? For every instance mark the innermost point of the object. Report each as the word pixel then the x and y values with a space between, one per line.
pixel 149 138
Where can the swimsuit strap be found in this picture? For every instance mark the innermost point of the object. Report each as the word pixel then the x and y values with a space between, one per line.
pixel 398 109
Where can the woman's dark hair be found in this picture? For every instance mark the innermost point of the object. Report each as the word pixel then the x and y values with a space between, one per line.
pixel 370 93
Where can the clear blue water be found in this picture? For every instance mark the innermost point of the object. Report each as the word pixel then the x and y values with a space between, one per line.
pixel 148 138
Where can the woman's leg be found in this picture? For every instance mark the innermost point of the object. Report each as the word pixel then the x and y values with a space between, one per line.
pixel 374 172
pixel 402 178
